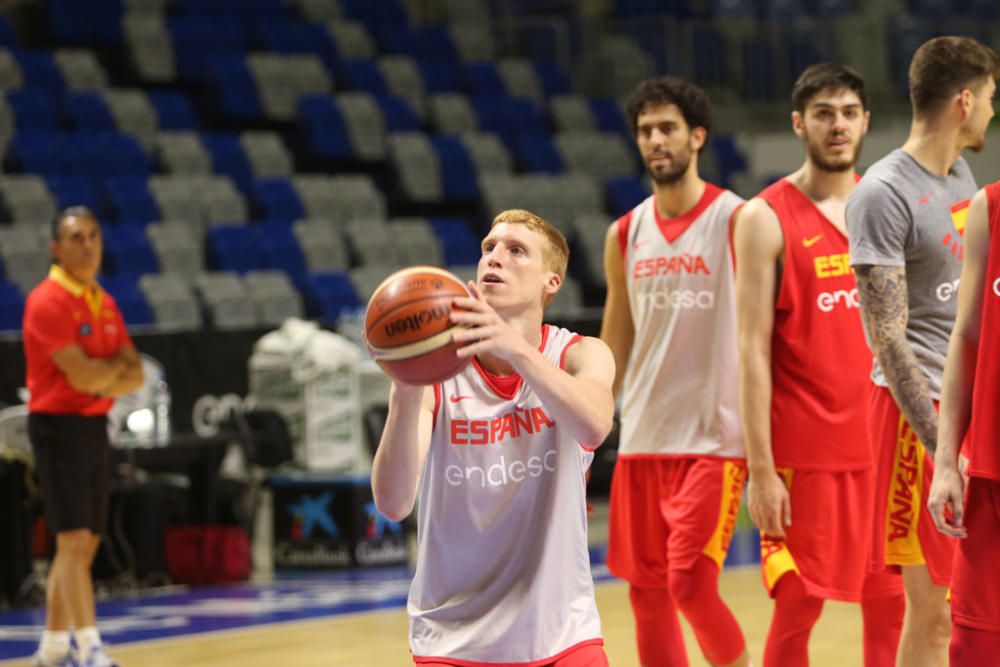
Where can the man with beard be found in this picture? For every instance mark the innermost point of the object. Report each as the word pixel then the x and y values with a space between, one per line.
pixel 906 221
pixel 670 321
pixel 803 365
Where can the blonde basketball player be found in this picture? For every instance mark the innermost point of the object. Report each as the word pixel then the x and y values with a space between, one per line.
pixel 499 454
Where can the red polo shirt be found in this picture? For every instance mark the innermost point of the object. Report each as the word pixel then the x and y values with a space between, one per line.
pixel 61 311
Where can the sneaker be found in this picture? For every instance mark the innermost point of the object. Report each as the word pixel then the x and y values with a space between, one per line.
pixel 68 660
pixel 98 658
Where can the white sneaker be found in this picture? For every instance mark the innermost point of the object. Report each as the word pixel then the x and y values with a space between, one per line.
pixel 98 658
pixel 68 660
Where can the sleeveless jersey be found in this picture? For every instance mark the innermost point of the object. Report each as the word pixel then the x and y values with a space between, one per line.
pixel 679 393
pixel 503 570
pixel 819 357
pixel 984 428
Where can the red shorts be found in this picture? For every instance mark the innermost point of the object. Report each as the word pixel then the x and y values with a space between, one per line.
pixel 666 512
pixel 586 654
pixel 828 542
pixel 975 584
pixel 903 532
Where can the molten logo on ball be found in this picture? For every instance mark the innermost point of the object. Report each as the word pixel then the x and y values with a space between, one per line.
pixel 413 323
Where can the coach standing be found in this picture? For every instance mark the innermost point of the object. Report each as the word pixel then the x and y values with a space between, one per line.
pixel 79 358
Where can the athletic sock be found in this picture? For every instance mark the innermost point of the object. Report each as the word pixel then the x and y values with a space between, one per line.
pixel 54 645
pixel 696 593
pixel 657 628
pixel 795 614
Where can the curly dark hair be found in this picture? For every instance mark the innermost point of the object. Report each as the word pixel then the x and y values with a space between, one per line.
pixel 817 78
pixel 689 98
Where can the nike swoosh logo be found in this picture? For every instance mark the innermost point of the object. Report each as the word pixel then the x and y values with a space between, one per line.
pixel 808 243
pixel 924 199
pixel 639 244
pixel 455 399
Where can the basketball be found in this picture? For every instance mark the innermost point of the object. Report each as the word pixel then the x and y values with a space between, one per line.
pixel 408 327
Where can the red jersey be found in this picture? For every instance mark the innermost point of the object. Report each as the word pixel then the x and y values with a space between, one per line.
pixel 819 358
pixel 61 312
pixel 984 429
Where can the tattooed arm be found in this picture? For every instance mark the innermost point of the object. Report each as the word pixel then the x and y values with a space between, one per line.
pixel 885 309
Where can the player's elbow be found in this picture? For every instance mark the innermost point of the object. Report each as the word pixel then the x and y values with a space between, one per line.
pixel 392 508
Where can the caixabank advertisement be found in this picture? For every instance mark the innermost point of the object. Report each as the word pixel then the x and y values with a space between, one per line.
pixel 329 522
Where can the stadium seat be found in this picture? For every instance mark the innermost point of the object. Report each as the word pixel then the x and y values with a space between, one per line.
pixel 276 199
pixel 179 248
pixel 80 69
pixel 127 251
pixel 174 305
pixel 129 201
pixel 11 307
pixel 280 249
pixel 274 297
pixel 323 128
pixel 459 244
pixel 324 247
pixel 458 171
pixel 328 294
pixel 232 248
pixel 87 112
pixel 398 115
pixel 417 167
pixel 451 114
pixel 181 152
pixel 227 303
pixel 173 110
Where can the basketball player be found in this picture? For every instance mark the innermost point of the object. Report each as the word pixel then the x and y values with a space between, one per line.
pixel 670 321
pixel 970 393
pixel 803 364
pixel 499 453
pixel 906 221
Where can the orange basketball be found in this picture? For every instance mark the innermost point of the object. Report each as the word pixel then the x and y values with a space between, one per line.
pixel 408 327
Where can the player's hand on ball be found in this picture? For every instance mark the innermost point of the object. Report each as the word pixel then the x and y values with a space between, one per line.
pixel 769 503
pixel 485 329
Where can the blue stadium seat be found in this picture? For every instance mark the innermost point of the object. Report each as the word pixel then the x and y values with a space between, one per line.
pixel 373 14
pixel 255 9
pixel 130 299
pixel 362 75
pixel 40 71
pixel 735 9
pixel 201 39
pixel 87 111
pixel 232 248
pixel 399 117
pixel 33 110
pixel 234 87
pixel 127 252
pixel 507 116
pixel 228 157
pixel 440 75
pixel 709 55
pixel 622 194
pixel 395 37
pixel 76 191
pixel 904 34
pixel 932 9
pixel 460 244
pixel 329 294
pixel 36 152
pixel 984 9
pixel 758 82
pixel 276 199
pixel 728 156
pixel 482 78
pixel 281 250
pixel 609 116
pixel 434 41
pixel 173 110
pixel 129 201
pixel 8 38
pixel 11 307
pixel 806 44
pixel 458 172
pixel 536 152
pixel 554 79
pixel 297 37
pixel 827 8
pixel 104 153
pixel 85 22
pixel 782 10
pixel 323 129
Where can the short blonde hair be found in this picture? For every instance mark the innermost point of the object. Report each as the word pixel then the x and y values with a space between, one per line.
pixel 555 249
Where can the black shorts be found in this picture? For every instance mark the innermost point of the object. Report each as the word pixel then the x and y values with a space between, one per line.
pixel 72 455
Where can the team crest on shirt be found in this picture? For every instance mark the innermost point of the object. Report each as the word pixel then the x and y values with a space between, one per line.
pixel 85 329
pixel 954 242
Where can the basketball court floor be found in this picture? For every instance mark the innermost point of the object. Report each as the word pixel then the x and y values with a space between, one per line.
pixel 358 619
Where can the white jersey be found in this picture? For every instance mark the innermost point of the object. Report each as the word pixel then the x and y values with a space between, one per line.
pixel 503 569
pixel 679 394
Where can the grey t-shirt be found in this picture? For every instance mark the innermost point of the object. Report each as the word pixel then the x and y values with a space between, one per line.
pixel 902 215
